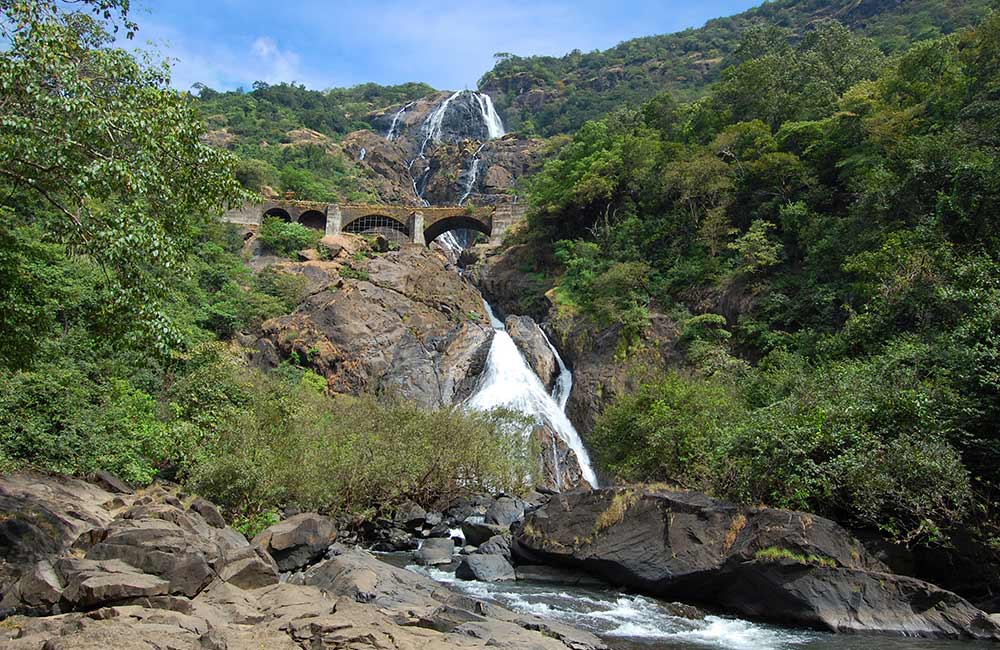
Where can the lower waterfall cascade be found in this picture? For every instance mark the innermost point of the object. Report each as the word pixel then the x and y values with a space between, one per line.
pixel 508 381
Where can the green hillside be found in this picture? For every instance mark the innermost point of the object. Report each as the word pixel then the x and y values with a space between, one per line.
pixel 551 95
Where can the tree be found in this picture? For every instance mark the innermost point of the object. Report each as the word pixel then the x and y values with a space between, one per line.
pixel 98 151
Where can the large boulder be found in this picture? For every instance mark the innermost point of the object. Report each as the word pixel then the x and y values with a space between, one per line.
pixel 436 550
pixel 164 540
pixel 298 540
pixel 44 516
pixel 476 533
pixel 485 568
pixel 496 545
pixel 505 511
pixel 786 566
pixel 531 342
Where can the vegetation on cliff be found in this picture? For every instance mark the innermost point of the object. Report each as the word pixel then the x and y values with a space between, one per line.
pixel 548 95
pixel 822 228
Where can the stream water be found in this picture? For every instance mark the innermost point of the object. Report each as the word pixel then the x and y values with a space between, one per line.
pixel 631 622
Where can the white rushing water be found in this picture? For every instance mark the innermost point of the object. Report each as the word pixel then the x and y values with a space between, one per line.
pixel 362 153
pixel 391 135
pixel 509 381
pixel 625 616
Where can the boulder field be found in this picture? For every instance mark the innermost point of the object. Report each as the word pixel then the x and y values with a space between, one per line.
pixel 89 569
pixel 778 565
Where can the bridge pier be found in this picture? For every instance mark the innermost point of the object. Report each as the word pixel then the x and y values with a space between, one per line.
pixel 417 227
pixel 334 220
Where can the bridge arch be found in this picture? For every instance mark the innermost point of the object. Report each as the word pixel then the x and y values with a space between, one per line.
pixel 457 222
pixel 313 219
pixel 279 213
pixel 392 228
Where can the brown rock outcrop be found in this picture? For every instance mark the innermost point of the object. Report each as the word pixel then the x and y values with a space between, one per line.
pixel 400 320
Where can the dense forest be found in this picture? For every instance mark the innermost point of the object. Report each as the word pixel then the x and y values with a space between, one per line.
pixel 551 95
pixel 822 228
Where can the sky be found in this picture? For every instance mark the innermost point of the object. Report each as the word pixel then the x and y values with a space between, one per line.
pixel 226 44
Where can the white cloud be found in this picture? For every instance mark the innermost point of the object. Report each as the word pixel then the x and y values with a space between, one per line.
pixel 275 64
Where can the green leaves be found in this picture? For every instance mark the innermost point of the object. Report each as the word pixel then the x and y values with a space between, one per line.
pixel 104 156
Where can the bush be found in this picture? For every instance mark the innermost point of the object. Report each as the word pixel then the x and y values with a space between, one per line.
pixel 291 444
pixel 284 238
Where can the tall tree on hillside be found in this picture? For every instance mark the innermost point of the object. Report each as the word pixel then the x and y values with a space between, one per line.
pixel 99 154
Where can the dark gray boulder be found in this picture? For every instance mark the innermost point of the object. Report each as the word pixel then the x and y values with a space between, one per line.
pixel 297 541
pixel 436 550
pixel 485 568
pixel 779 565
pixel 505 511
pixel 496 545
pixel 478 533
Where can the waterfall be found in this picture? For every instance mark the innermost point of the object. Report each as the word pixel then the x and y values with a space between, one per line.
pixel 471 176
pixel 509 381
pixel 494 126
pixel 432 125
pixel 362 154
pixel 395 120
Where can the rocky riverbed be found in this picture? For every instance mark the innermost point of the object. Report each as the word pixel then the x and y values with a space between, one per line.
pixel 96 565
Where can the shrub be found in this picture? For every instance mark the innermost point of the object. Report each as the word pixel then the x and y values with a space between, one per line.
pixel 285 238
pixel 290 445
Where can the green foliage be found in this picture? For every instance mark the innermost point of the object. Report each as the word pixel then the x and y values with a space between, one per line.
pixel 830 254
pixel 285 238
pixel 286 445
pixel 98 151
pixel 779 80
pixel 775 553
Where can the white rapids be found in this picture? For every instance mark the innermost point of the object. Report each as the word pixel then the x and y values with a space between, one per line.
pixel 624 616
pixel 509 381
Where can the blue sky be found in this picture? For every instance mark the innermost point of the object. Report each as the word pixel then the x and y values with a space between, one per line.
pixel 230 43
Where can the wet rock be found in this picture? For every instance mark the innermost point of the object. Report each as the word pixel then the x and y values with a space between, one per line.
pixel 435 550
pixel 561 470
pixel 496 545
pixel 780 565
pixel 485 568
pixel 478 533
pixel 298 540
pixel 530 340
pixel 556 575
pixel 505 511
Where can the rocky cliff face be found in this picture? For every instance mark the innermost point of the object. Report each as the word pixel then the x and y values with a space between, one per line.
pixel 422 152
pixel 399 320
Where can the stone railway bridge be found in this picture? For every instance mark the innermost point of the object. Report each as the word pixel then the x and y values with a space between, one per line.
pixel 399 223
